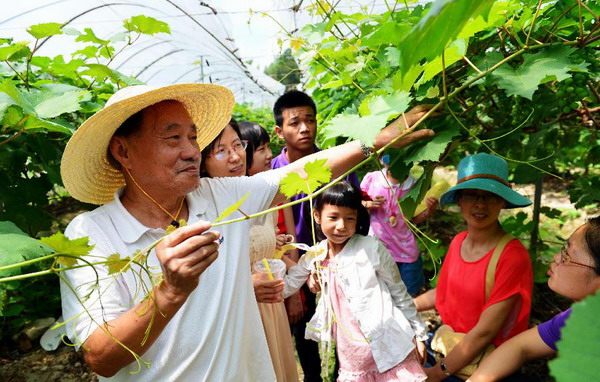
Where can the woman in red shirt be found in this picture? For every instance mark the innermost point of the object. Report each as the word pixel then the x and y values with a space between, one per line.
pixel 482 191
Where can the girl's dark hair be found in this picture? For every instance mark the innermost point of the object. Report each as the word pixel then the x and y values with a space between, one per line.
pixel 345 194
pixel 256 135
pixel 592 239
pixel 211 146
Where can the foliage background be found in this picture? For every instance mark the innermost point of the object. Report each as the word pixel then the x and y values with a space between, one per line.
pixel 515 78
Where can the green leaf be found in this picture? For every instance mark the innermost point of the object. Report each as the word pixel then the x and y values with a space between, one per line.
pixel 100 72
pixel 405 81
pixel 62 245
pixel 231 209
pixel 393 56
pixel 64 103
pixel 454 53
pixel 116 264
pixel 578 347
pixel 45 30
pixel 15 51
pixel 389 106
pixel 17 247
pixel 34 123
pixel 535 69
pixel 440 26
pixel 146 25
pixel 89 36
pixel 496 17
pixel 10 227
pixel 317 174
pixel 353 126
pixel 432 150
pixel 388 33
pixel 411 200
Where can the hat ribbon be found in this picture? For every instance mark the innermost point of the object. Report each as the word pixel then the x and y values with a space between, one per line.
pixel 485 176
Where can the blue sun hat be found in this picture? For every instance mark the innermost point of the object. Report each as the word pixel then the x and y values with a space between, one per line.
pixel 488 173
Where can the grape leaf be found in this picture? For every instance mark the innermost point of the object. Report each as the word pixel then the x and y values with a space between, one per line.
pixel 432 150
pixel 16 247
pixel 578 347
pixel 90 36
pixel 411 200
pixel 63 103
pixel 353 126
pixel 146 25
pixel 232 208
pixel 389 106
pixel 116 264
pixel 536 68
pixel 62 245
pixel 15 51
pixel 318 173
pixel 440 26
pixel 454 53
pixel 10 227
pixel 45 30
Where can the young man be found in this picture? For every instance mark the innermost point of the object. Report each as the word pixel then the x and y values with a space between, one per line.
pixel 295 116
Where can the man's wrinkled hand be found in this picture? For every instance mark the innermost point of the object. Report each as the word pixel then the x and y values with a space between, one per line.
pixel 185 254
pixel 407 120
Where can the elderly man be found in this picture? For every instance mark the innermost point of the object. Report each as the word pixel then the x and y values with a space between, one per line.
pixel 139 159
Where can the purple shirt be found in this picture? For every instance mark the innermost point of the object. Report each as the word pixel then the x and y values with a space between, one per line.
pixel 303 229
pixel 386 221
pixel 550 330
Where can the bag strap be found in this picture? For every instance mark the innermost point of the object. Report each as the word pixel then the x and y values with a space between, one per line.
pixel 490 273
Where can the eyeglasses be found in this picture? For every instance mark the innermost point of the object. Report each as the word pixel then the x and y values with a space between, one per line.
pixel 223 153
pixel 474 198
pixel 566 259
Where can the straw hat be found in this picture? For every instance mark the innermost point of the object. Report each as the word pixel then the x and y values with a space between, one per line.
pixel 488 173
pixel 85 170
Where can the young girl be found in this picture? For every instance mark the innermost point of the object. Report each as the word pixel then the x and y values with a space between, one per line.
pixel 364 305
pixel 388 224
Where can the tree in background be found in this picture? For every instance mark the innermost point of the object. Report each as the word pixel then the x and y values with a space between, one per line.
pixel 285 70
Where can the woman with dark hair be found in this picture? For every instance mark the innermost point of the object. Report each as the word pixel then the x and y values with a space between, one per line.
pixel 575 274
pixel 228 155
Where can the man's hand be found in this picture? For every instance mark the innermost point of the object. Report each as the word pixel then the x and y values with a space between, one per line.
pixel 396 128
pixel 294 308
pixel 266 290
pixel 184 255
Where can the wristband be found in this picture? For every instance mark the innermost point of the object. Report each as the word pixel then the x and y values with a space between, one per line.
pixel 366 150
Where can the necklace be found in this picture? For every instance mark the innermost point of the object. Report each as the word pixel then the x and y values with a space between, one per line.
pixel 174 222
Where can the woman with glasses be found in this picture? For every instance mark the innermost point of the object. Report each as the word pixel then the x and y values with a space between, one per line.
pixel 483 294
pixel 575 274
pixel 239 151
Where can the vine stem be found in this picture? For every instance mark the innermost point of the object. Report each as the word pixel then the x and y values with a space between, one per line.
pixel 537 11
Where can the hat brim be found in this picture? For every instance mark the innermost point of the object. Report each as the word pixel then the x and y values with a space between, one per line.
pixel 513 199
pixel 85 169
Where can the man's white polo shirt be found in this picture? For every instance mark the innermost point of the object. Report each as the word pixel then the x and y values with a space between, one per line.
pixel 217 335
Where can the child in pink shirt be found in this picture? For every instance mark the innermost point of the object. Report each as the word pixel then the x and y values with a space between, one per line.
pixel 388 224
